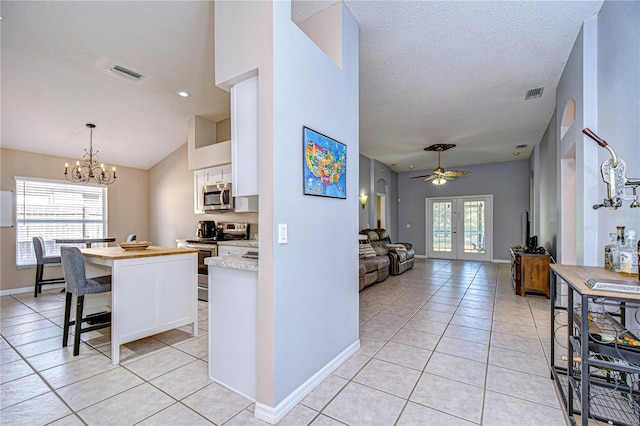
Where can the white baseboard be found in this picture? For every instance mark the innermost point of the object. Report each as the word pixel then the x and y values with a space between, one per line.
pixel 232 389
pixel 422 256
pixel 273 415
pixel 29 289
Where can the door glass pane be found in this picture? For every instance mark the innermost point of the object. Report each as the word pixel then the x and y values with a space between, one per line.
pixel 474 230
pixel 441 215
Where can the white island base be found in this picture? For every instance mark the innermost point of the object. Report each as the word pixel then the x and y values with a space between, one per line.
pixel 233 303
pixel 152 290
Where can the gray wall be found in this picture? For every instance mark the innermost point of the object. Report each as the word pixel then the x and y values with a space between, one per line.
pixel 315 308
pixel 547 211
pixel 508 183
pixel 364 175
pixel 371 172
pixel 619 102
pixel 602 76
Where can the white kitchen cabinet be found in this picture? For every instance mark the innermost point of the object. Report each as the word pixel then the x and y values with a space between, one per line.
pixel 220 174
pixel 244 137
pixel 245 204
pixel 224 250
pixel 198 184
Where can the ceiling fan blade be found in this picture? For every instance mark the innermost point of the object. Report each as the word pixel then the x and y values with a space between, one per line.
pixel 452 174
pixel 420 177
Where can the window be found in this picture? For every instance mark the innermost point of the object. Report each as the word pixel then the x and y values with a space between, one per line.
pixel 53 209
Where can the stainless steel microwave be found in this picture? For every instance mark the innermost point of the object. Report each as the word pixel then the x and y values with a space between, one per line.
pixel 217 197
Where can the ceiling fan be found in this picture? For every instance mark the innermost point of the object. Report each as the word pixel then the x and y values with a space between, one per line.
pixel 439 175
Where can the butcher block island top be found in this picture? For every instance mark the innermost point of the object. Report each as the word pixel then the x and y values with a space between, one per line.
pixel 117 253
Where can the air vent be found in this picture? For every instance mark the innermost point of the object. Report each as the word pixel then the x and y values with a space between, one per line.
pixel 125 73
pixel 521 146
pixel 534 93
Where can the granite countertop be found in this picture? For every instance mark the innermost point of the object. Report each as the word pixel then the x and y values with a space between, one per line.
pixel 239 243
pixel 233 262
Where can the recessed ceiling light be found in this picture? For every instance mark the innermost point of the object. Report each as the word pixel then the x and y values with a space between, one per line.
pixel 183 93
pixel 515 154
pixel 394 164
pixel 411 167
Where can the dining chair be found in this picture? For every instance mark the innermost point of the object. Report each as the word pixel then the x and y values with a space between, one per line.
pixel 43 260
pixel 80 285
pixel 131 237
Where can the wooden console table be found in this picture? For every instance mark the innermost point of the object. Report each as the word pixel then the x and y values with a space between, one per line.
pixel 529 272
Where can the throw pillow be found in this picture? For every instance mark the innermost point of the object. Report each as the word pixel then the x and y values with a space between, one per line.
pixel 366 251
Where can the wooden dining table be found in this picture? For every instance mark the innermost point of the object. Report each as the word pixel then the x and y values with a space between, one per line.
pixel 87 241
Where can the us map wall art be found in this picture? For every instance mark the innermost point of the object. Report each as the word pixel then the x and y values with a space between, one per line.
pixel 325 165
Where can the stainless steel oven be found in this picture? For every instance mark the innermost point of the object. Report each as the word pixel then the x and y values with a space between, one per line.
pixel 204 250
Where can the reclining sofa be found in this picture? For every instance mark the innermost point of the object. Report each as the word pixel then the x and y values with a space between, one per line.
pixel 401 255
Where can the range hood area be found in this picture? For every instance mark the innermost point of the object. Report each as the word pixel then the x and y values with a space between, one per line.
pixel 208 142
pixel 226 152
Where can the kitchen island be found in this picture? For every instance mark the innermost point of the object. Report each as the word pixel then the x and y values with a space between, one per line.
pixel 233 304
pixel 152 290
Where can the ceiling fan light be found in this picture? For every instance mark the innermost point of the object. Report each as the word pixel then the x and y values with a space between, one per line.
pixel 439 181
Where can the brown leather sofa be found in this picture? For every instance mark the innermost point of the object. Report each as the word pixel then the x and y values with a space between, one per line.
pixel 373 268
pixel 400 259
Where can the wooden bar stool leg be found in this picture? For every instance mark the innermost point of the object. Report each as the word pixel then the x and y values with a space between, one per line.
pixel 67 323
pixel 76 338
pixel 39 275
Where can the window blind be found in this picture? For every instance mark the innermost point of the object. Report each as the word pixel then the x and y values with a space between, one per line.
pixel 53 209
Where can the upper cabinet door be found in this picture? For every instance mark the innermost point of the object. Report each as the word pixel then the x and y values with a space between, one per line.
pixel 215 175
pixel 244 137
pixel 198 184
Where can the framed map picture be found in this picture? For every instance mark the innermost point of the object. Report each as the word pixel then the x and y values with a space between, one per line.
pixel 324 167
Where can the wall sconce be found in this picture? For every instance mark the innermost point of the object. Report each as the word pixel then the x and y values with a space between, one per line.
pixel 363 200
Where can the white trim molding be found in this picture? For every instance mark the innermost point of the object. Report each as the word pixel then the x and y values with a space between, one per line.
pixel 273 415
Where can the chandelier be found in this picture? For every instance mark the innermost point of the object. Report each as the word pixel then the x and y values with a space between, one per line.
pixel 89 170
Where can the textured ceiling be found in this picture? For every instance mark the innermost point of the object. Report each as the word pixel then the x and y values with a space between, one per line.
pixel 430 72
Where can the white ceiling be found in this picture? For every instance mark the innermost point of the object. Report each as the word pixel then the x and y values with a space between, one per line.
pixel 430 72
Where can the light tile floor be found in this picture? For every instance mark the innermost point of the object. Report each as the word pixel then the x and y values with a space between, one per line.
pixel 446 343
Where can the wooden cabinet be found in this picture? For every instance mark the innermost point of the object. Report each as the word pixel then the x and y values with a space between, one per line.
pixel 244 137
pixel 529 272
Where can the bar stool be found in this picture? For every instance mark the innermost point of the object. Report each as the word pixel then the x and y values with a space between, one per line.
pixel 80 285
pixel 43 260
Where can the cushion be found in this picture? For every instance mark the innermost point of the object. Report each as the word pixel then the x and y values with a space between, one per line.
pixel 397 247
pixel 366 251
pixel 372 235
pixel 380 251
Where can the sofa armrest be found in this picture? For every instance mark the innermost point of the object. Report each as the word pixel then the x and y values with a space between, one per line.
pixel 409 246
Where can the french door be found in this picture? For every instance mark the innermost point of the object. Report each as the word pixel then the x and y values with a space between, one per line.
pixel 459 228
